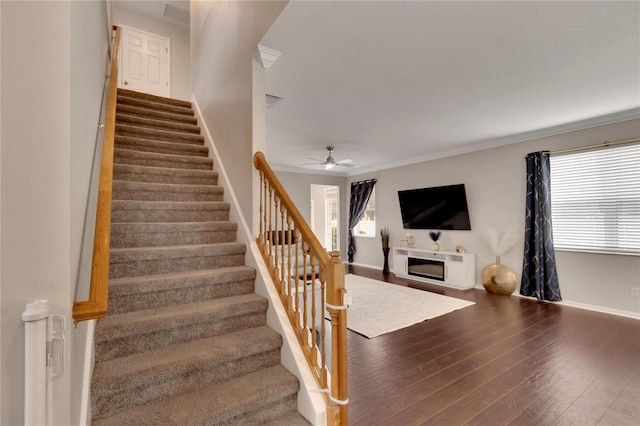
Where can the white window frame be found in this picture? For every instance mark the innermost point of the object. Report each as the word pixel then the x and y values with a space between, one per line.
pixel 367 228
pixel 595 200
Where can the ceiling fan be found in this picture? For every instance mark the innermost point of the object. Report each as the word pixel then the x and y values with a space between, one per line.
pixel 330 162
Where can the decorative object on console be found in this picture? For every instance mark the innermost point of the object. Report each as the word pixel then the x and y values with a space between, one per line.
pixel 384 238
pixel 496 277
pixel 460 249
pixel 408 240
pixel 435 236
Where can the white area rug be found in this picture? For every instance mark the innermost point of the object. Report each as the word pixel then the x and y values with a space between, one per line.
pixel 379 308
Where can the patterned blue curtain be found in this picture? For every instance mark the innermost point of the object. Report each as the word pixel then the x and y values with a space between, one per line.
pixel 539 276
pixel 360 193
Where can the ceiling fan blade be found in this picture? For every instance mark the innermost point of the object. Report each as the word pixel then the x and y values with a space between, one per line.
pixel 315 159
pixel 347 164
pixel 346 160
pixel 312 164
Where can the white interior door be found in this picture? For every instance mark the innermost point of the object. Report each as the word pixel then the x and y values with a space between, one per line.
pixel 144 62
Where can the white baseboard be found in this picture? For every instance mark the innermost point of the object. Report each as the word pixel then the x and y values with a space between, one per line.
pixel 586 306
pixel 365 265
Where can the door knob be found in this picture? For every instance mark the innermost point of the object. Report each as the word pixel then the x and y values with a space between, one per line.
pixel 126 82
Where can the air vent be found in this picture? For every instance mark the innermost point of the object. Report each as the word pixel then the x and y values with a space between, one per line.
pixel 176 13
pixel 272 100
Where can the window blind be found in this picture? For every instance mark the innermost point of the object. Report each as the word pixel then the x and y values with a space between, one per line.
pixel 595 200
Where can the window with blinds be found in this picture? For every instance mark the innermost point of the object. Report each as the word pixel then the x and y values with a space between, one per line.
pixel 595 200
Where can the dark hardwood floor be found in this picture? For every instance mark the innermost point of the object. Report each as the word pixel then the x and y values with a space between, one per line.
pixel 504 360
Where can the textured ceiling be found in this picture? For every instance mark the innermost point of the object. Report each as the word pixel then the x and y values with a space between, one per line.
pixel 390 83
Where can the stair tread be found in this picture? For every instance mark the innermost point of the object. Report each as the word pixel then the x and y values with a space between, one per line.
pixel 138 369
pixel 158 155
pixel 150 112
pixel 131 119
pixel 171 187
pixel 133 227
pixel 144 103
pixel 217 403
pixel 171 205
pixel 175 280
pixel 163 170
pixel 290 419
pixel 154 98
pixel 120 139
pixel 173 135
pixel 187 250
pixel 151 320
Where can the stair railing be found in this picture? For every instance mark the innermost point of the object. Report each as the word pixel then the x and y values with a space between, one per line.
pixel 96 306
pixel 310 283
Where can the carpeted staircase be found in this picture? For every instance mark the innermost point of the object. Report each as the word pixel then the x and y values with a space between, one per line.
pixel 185 340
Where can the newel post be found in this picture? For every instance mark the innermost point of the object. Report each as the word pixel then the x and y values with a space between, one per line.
pixel 337 414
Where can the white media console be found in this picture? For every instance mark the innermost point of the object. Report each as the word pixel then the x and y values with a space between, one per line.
pixel 447 268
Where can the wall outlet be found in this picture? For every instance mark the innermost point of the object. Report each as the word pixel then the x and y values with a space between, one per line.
pixel 635 291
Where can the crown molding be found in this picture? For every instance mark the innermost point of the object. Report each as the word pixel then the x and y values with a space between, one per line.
pixel 603 120
pixel 268 56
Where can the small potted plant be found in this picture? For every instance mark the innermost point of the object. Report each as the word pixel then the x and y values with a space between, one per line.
pixel 435 236
pixel 384 238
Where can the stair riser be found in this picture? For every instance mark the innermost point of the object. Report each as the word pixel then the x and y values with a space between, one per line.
pixel 159 299
pixel 173 163
pixel 161 215
pixel 209 179
pixel 145 342
pixel 157 115
pixel 158 135
pixel 161 148
pixel 157 239
pixel 154 123
pixel 162 387
pixel 168 265
pixel 124 194
pixel 265 413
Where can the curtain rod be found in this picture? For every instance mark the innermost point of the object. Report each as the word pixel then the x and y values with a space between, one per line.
pixel 364 181
pixel 604 144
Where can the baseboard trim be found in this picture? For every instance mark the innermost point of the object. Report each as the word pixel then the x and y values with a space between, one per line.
pixel 585 306
pixel 365 265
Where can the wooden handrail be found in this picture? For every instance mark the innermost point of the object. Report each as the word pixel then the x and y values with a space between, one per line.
pixel 96 306
pixel 283 232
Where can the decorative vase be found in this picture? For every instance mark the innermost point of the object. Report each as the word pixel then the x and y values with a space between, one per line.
pixel 435 246
pixel 499 279
pixel 385 268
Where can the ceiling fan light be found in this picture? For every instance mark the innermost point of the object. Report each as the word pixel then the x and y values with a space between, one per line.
pixel 328 166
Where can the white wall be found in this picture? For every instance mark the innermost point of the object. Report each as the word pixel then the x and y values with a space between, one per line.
pixel 1 351
pixel 35 193
pixel 495 184
pixel 48 132
pixel 223 38
pixel 179 49
pixel 298 185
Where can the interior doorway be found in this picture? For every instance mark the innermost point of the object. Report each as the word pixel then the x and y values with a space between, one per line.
pixel 325 215
pixel 145 62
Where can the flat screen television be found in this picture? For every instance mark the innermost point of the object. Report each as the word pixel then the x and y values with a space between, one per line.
pixel 441 207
